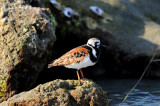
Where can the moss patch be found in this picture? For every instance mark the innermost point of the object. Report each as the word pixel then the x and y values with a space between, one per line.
pixel 3 87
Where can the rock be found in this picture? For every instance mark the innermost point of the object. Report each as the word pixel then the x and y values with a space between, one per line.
pixel 130 29
pixel 26 37
pixel 61 93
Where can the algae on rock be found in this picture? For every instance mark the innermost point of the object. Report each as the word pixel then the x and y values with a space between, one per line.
pixel 61 92
pixel 2 88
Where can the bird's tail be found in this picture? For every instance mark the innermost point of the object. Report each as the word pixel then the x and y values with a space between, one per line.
pixel 50 65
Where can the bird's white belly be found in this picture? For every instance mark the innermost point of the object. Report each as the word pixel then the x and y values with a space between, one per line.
pixel 85 63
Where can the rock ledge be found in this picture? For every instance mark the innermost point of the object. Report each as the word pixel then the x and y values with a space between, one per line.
pixel 61 92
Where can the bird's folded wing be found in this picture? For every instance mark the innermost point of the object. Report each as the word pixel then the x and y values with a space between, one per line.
pixel 75 55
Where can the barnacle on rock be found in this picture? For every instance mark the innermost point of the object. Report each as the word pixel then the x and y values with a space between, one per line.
pixel 68 12
pixel 56 4
pixel 98 11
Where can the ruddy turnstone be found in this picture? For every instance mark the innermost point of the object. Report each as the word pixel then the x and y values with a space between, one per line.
pixel 80 57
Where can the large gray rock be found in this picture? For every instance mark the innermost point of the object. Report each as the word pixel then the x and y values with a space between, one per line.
pixel 26 36
pixel 61 93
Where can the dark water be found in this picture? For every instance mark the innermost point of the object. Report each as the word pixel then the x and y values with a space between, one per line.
pixel 147 93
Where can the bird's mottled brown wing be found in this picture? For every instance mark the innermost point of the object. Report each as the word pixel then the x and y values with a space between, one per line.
pixel 75 55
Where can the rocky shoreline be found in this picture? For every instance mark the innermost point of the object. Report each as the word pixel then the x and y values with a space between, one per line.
pixel 34 32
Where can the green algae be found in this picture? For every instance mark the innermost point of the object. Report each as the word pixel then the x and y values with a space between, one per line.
pixel 3 88
pixel 76 25
pixel 52 19
pixel 63 31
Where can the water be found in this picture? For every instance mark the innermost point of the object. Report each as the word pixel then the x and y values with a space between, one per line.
pixel 147 93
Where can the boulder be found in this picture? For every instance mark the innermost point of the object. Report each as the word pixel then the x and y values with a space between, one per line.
pixel 26 36
pixel 61 93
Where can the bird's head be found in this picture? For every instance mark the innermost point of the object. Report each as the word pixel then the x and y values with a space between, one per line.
pixel 94 42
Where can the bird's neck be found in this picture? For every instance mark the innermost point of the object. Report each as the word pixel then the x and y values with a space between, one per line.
pixel 94 53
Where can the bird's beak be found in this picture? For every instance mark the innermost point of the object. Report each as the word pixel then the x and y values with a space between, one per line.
pixel 102 45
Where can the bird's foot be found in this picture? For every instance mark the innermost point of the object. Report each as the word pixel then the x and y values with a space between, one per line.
pixel 82 80
pixel 79 81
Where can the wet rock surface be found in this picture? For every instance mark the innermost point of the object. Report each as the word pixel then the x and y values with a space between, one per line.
pixel 26 36
pixel 61 92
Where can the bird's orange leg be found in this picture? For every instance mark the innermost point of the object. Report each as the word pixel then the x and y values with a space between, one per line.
pixel 82 75
pixel 78 77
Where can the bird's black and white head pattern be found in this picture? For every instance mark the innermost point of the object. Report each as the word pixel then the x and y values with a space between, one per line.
pixel 94 42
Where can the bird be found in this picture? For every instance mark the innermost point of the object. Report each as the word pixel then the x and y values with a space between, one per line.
pixel 80 57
